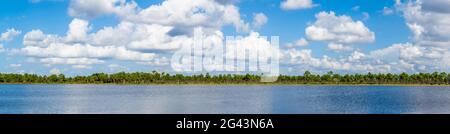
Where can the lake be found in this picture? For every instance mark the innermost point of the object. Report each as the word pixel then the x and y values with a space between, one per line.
pixel 193 99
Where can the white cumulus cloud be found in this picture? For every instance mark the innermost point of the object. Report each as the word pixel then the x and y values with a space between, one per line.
pixel 339 47
pixel 429 20
pixel 78 30
pixel 297 4
pixel 259 20
pixel 95 8
pixel 9 34
pixel 143 35
pixel 341 30
pixel 55 71
pixel 184 14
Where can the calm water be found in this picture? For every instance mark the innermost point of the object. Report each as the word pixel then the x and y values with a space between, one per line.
pixel 221 99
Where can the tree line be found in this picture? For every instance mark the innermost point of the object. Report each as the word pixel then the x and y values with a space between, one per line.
pixel 436 78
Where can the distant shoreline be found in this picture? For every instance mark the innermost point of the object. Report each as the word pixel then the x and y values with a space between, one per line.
pixel 162 78
pixel 235 84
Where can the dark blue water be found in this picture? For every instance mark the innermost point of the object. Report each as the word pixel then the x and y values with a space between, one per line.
pixel 84 99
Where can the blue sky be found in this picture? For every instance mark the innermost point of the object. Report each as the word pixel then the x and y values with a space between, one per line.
pixel 363 35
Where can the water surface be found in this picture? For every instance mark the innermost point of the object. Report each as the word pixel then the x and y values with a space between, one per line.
pixel 292 99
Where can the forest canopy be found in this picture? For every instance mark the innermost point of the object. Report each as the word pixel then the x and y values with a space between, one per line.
pixel 436 78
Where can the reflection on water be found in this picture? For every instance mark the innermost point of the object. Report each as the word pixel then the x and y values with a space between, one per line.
pixel 222 99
